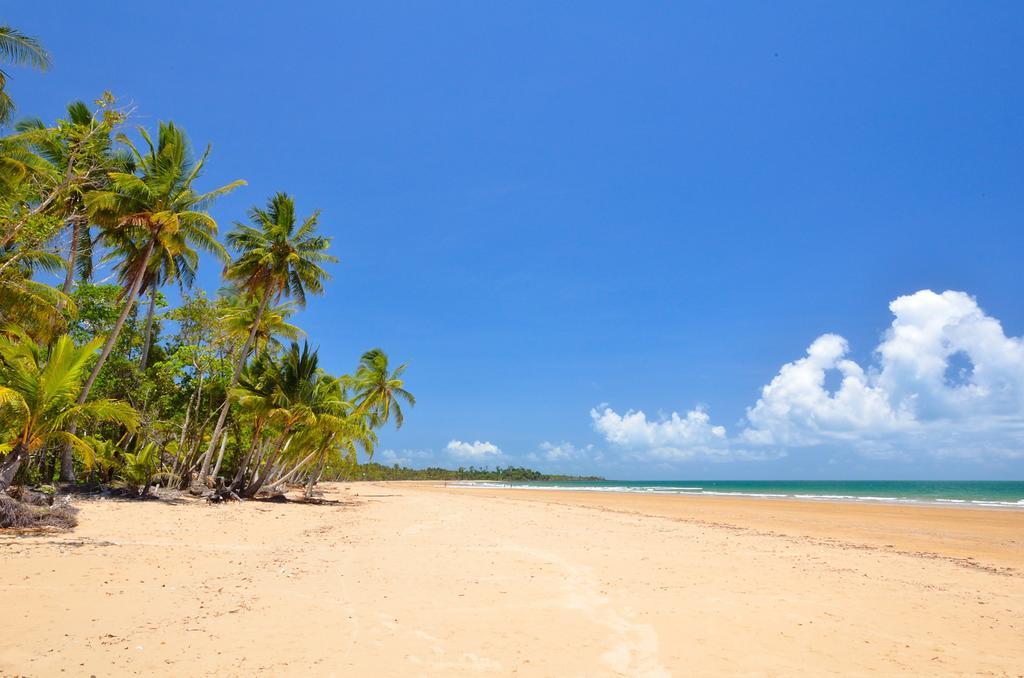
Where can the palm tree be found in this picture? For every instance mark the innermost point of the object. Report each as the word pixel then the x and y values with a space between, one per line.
pixel 154 214
pixel 254 394
pixel 340 435
pixel 82 146
pixel 172 260
pixel 45 173
pixel 32 305
pixel 238 317
pixel 378 390
pixel 21 50
pixel 292 399
pixel 21 171
pixel 333 427
pixel 38 392
pixel 156 211
pixel 276 259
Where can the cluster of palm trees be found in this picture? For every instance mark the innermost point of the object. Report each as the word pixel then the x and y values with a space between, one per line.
pixel 223 394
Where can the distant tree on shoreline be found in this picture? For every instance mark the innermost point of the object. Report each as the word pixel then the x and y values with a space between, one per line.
pixel 374 471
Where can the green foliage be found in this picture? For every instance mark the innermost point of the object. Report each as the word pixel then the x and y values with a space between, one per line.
pixel 102 457
pixel 134 393
pixel 371 471
pixel 97 309
pixel 378 390
pixel 197 318
pixel 238 314
pixel 46 172
pixel 139 468
pixel 277 258
pixel 21 50
pixel 25 302
pixel 38 392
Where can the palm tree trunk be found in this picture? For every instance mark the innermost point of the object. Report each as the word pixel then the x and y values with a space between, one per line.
pixel 243 478
pixel 197 398
pixel 133 294
pixel 257 482
pixel 220 456
pixel 69 274
pixel 149 328
pixel 204 471
pixel 288 476
pixel 67 467
pixel 184 429
pixel 315 476
pixel 10 464
pixel 257 428
pixel 194 455
pixel 240 472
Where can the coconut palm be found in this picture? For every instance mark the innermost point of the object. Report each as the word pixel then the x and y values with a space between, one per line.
pixel 172 260
pixel 21 50
pixel 104 457
pixel 341 437
pixel 239 317
pixel 254 395
pixel 378 390
pixel 38 399
pixel 32 305
pixel 155 211
pixel 154 214
pixel 293 399
pixel 277 258
pixel 80 147
pixel 139 468
pixel 333 428
pixel 22 171
pixel 45 173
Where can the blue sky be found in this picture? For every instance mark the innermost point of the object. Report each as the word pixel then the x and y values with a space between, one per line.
pixel 610 207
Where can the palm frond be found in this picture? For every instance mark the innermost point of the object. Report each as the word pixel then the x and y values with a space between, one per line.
pixel 18 48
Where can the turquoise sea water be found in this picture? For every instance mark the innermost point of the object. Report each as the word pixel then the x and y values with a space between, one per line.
pixel 1003 494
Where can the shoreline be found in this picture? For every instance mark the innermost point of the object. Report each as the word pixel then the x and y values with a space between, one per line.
pixel 693 492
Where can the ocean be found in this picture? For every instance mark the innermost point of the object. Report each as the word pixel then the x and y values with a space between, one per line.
pixel 990 493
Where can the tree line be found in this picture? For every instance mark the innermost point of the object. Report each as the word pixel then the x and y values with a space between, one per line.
pixel 106 382
pixel 375 471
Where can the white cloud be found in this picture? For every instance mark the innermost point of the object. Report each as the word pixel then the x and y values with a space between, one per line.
pixel 474 450
pixel 405 457
pixel 928 331
pixel 946 380
pixel 671 438
pixel 565 451
pixel 795 409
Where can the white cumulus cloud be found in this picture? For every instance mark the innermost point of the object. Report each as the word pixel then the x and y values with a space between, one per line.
pixel 672 437
pixel 945 380
pixel 565 451
pixel 474 450
pixel 929 330
pixel 795 408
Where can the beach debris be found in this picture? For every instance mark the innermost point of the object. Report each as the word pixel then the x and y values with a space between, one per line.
pixel 15 514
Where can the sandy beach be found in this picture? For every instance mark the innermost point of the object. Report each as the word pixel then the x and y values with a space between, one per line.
pixel 417 579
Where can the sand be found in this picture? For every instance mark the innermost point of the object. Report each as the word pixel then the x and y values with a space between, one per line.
pixel 414 579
